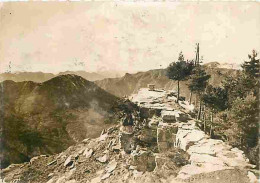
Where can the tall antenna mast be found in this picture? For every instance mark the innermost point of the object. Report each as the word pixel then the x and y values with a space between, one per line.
pixel 197 61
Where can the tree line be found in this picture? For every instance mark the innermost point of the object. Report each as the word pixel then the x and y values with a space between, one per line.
pixel 230 111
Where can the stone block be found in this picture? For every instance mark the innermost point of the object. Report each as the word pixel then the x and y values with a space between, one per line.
pixel 126 141
pixel 174 116
pixel 181 117
pixel 148 135
pixel 166 137
pixel 187 138
pixel 143 160
pixel 165 166
pixel 168 116
pixel 165 146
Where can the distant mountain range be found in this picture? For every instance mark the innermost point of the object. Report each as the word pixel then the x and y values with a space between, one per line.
pixel 46 118
pixel 41 77
pixel 131 83
pixel 223 65
pixel 91 76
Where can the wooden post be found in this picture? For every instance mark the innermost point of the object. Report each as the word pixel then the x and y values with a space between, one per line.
pixel 178 91
pixel 199 113
pixel 204 119
pixel 190 97
pixel 195 101
pixel 197 60
pixel 211 124
pixel 198 52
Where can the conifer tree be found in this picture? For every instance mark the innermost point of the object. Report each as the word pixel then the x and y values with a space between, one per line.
pixel 199 80
pixel 179 71
pixel 251 68
pixel 198 83
pixel 215 98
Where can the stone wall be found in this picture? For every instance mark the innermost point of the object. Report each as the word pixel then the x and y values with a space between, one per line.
pixel 176 129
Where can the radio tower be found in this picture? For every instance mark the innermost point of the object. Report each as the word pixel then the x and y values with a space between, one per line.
pixel 197 60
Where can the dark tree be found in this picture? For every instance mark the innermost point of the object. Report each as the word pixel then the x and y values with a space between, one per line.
pixel 199 80
pixel 251 68
pixel 245 82
pixel 215 98
pixel 236 106
pixel 179 71
pixel 198 83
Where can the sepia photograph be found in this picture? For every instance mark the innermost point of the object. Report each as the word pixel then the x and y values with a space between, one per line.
pixel 129 91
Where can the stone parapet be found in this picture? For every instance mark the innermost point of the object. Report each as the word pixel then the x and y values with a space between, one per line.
pixel 177 130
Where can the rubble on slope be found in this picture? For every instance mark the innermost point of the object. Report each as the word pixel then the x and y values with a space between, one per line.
pixel 155 150
pixel 91 161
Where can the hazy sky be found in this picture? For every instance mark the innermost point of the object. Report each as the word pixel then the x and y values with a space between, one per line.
pixel 59 36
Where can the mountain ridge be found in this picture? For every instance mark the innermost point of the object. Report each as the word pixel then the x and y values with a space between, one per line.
pixel 93 76
pixel 131 83
pixel 41 76
pixel 46 118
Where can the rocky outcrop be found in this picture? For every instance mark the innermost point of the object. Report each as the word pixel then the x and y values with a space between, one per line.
pixel 178 130
pixel 207 155
pixel 156 150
